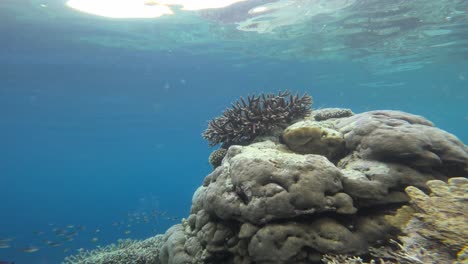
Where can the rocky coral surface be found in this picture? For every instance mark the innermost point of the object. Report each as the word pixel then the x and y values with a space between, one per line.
pixel 321 189
pixel 447 201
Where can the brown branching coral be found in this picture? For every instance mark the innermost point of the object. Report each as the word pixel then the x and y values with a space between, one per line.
pixel 250 118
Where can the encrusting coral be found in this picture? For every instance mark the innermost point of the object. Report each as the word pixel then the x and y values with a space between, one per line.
pixel 216 157
pixel 329 113
pixel 256 116
pixel 282 200
pixel 310 137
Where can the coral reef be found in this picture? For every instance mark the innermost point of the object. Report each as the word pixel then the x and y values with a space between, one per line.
pixel 394 136
pixel 329 113
pixel 451 232
pixel 310 137
pixel 260 183
pixel 323 191
pixel 125 251
pixel 216 157
pixel 260 114
pixel 447 201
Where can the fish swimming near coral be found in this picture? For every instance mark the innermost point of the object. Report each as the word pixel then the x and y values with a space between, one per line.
pixel 31 249
pixel 4 245
pixel 55 244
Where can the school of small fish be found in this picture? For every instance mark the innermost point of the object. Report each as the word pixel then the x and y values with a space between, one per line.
pixel 61 237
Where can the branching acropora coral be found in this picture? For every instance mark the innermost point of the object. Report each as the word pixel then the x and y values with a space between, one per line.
pixel 255 116
pixel 125 251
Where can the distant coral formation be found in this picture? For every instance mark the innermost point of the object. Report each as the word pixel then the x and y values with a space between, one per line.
pixel 125 251
pixel 321 191
pixel 256 116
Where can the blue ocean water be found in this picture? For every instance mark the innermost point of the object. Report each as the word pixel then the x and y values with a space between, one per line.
pixel 105 141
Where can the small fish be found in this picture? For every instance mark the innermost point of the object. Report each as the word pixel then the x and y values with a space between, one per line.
pixel 31 249
pixel 55 244
pixel 71 234
pixel 94 239
pixel 3 245
pixel 70 226
pixel 126 232
pixel 5 240
pixel 38 233
pixel 97 230
pixel 66 250
pixel 58 231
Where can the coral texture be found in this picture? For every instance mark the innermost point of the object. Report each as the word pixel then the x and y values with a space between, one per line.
pixel 434 226
pixel 309 137
pixel 260 183
pixel 216 157
pixel 323 191
pixel 329 113
pixel 256 116
pixel 125 251
pixel 447 201
pixel 394 136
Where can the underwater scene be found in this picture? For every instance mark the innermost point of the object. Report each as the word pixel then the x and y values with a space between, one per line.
pixel 233 131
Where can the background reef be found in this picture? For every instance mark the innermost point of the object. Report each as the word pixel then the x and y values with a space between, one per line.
pixel 326 188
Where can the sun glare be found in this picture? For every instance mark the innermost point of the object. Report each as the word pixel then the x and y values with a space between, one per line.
pixel 143 8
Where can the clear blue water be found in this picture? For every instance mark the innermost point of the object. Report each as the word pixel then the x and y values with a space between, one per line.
pixel 90 135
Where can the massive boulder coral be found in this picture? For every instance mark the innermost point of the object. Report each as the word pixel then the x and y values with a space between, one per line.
pixel 310 137
pixel 321 187
pixel 263 182
pixel 394 136
pixel 372 182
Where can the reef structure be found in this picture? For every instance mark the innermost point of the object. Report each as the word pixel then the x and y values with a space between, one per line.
pixel 257 116
pixel 322 190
